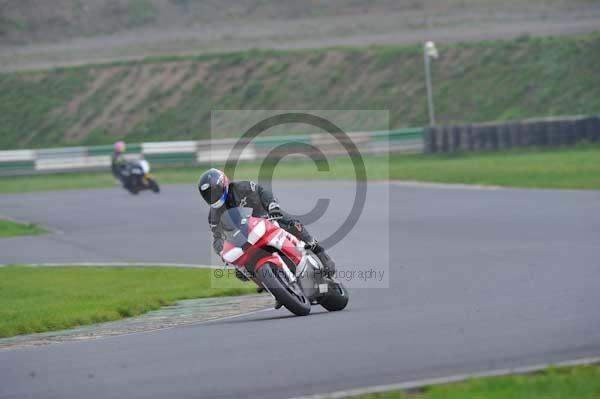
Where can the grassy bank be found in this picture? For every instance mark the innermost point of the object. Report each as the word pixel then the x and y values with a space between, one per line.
pixel 172 98
pixel 581 382
pixel 575 168
pixel 12 229
pixel 45 299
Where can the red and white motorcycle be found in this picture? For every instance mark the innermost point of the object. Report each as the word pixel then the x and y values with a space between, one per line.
pixel 279 262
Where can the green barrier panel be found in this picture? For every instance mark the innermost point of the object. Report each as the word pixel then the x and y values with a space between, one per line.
pixel 100 150
pixel 176 157
pixel 17 165
pixel 108 149
pixel 398 135
pixel 270 142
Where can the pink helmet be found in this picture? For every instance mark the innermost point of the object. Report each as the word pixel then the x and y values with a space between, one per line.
pixel 119 146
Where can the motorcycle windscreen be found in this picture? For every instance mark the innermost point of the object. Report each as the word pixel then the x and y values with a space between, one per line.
pixel 235 225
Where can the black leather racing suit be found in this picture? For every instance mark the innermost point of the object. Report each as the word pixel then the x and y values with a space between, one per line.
pixel 118 164
pixel 262 201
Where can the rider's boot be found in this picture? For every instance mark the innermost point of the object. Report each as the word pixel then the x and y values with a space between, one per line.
pixel 297 229
pixel 241 276
pixel 312 244
pixel 328 263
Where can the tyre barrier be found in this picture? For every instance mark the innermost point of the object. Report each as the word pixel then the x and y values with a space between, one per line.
pixel 550 132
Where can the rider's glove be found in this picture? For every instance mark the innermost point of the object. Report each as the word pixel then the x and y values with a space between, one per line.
pixel 218 245
pixel 275 215
pixel 274 211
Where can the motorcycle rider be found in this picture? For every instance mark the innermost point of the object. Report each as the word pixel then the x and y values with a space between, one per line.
pixel 118 162
pixel 220 194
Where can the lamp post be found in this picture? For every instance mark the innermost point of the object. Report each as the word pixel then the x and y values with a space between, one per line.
pixel 429 52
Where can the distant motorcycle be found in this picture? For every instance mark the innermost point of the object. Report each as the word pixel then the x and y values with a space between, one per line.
pixel 278 262
pixel 136 177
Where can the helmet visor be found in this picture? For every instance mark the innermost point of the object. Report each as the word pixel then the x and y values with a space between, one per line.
pixel 213 195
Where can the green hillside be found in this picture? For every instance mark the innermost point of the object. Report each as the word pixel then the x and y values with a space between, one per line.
pixel 167 99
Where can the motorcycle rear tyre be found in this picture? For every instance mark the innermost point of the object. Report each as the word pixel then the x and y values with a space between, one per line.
pixel 337 299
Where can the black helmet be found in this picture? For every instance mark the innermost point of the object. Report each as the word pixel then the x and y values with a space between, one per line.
pixel 214 186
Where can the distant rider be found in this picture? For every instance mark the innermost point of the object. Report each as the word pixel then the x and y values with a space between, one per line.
pixel 118 162
pixel 220 194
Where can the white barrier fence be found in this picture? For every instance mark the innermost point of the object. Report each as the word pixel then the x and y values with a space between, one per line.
pixel 20 162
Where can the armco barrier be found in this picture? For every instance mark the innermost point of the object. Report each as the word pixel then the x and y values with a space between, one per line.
pixel 170 152
pixel 201 152
pixel 17 162
pixel 507 135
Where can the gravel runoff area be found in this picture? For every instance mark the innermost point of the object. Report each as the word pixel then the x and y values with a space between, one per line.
pixel 187 312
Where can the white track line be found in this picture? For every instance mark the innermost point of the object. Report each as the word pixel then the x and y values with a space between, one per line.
pixel 459 186
pixel 402 386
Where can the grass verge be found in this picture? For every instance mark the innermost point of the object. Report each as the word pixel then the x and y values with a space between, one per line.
pixel 565 168
pixel 569 168
pixel 46 299
pixel 581 382
pixel 13 229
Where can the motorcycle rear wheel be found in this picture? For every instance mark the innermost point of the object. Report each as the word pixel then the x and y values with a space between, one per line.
pixel 292 298
pixel 337 299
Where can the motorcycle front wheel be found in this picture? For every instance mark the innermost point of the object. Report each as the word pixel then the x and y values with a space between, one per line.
pixel 132 188
pixel 288 294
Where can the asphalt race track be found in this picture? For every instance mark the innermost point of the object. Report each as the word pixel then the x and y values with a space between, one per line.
pixel 478 280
